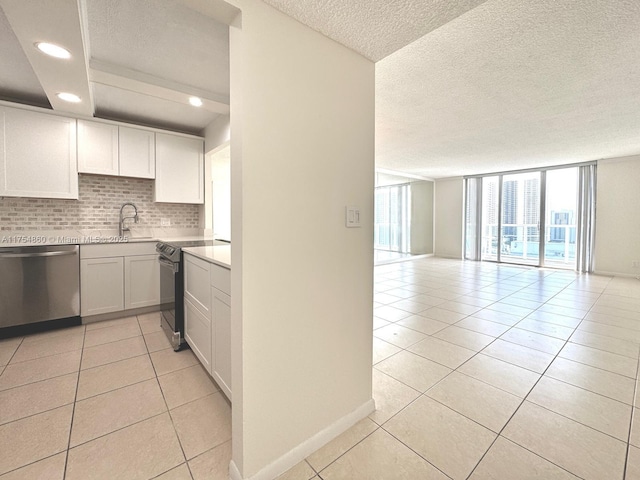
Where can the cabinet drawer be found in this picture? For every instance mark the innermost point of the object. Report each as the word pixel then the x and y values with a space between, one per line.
pixel 221 278
pixel 198 333
pixel 196 283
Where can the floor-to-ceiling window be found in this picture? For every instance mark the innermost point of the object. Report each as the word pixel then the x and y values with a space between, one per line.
pixel 534 217
pixel 392 218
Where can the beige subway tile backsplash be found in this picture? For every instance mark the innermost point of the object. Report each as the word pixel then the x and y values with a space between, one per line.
pixel 100 198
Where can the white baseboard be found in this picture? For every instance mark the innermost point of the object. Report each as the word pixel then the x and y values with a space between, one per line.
pixel 615 274
pixel 306 448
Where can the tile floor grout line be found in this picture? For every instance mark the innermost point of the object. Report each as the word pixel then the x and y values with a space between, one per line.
pixel 73 411
pixel 633 414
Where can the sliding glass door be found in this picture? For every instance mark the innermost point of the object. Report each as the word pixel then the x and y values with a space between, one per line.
pixel 532 217
pixel 392 218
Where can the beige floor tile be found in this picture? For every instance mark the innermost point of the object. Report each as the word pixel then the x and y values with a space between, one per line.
pixel 506 460
pixel 113 352
pixel 167 361
pixel 425 325
pixel 37 397
pixel 302 471
pixel 612 320
pixel 482 326
pixel 608 344
pixel 51 334
pixel 186 385
pixel 510 309
pixel 602 413
pixel 382 350
pixel 105 378
pixel 498 317
pixel 521 302
pixel 8 348
pixel 181 472
pixel 510 378
pixel 157 341
pixel 212 464
pixel 442 352
pixel 326 455
pixel 117 322
pixel 600 359
pixel 111 411
pixel 555 319
pixel 594 379
pixel 442 315
pixel 381 457
pixel 465 338
pixel 51 468
pixel 142 451
pixel 33 438
pixel 111 334
pixel 150 322
pixel 398 335
pixel 413 370
pixel 46 348
pixel 428 300
pixel 379 323
pixel 410 306
pixel 533 340
pixel 40 369
pixel 202 424
pixel 566 311
pixel 544 328
pixel 577 448
pixel 524 357
pixel 459 307
pixel 633 464
pixel 454 443
pixel 487 405
pixel 626 334
pixel 390 396
pixel 390 314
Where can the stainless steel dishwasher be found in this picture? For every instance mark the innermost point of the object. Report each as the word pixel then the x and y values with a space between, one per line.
pixel 38 284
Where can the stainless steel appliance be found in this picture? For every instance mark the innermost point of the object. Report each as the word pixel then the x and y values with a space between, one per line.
pixel 38 285
pixel 172 286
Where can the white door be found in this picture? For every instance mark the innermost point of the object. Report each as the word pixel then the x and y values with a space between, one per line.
pixel 141 281
pixel 101 285
pixel 137 153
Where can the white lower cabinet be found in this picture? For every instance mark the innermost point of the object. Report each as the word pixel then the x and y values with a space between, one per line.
pixel 118 277
pixel 208 317
pixel 102 285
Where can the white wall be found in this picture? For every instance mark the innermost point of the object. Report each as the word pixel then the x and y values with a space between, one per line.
pixel 421 217
pixel 449 217
pixel 217 133
pixel 618 215
pixel 302 117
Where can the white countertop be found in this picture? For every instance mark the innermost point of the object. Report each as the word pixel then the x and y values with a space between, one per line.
pixel 219 254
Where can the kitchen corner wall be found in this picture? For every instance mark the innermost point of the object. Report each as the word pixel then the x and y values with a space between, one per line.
pixel 100 198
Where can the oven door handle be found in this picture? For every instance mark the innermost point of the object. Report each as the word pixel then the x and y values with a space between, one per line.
pixel 175 267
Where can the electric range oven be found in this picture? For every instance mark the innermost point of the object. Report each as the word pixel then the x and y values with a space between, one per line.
pixel 171 261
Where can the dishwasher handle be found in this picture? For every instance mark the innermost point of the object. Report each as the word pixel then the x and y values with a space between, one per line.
pixel 38 254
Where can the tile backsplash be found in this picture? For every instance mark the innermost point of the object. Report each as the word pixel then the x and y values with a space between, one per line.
pixel 100 198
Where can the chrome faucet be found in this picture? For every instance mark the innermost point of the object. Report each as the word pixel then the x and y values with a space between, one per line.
pixel 121 226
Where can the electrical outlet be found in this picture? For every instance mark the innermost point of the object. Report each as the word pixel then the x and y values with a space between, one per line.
pixel 165 222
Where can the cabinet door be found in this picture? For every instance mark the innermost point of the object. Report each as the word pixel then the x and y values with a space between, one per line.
pixel 101 285
pixel 141 281
pixel 97 148
pixel 179 169
pixel 137 153
pixel 197 333
pixel 37 155
pixel 221 340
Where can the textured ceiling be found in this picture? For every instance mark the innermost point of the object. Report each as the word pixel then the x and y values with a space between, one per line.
pixel 512 85
pixel 374 28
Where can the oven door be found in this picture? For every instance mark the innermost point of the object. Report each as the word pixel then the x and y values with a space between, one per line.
pixel 168 274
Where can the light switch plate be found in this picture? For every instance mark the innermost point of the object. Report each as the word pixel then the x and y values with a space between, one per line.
pixel 352 219
pixel 165 222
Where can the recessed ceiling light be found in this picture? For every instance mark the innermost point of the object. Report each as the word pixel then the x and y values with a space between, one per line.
pixel 195 101
pixel 69 97
pixel 53 50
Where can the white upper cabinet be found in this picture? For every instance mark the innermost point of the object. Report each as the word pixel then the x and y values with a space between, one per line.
pixel 179 169
pixel 97 148
pixel 108 149
pixel 137 153
pixel 37 155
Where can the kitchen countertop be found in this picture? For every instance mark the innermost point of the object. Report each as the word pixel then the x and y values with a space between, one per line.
pixel 219 254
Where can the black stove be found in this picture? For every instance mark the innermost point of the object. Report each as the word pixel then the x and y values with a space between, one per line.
pixel 170 257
